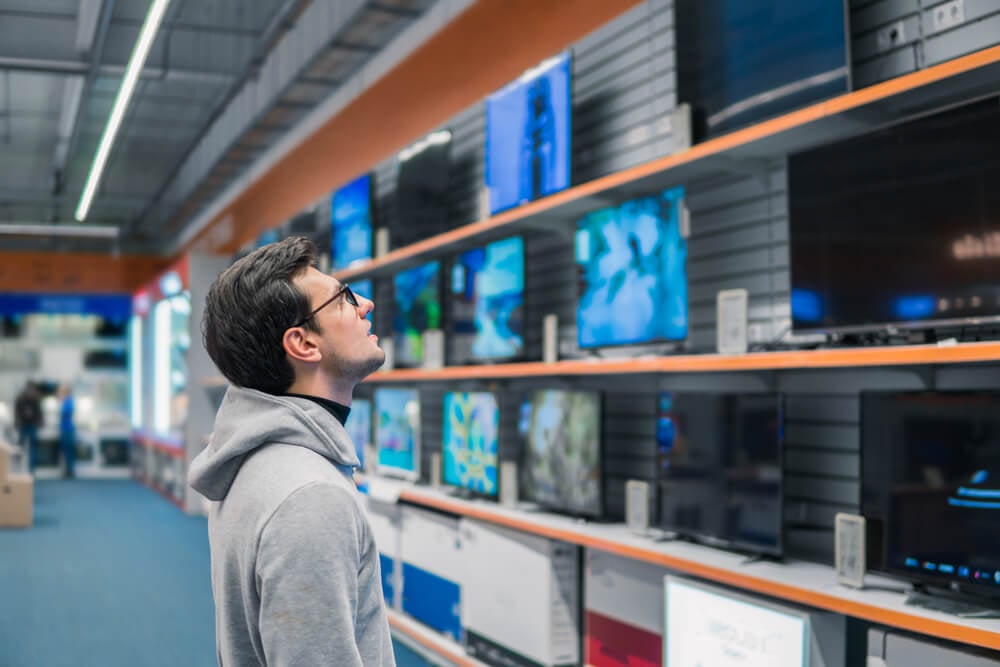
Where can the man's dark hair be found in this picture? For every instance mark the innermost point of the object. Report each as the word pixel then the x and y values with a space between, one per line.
pixel 249 307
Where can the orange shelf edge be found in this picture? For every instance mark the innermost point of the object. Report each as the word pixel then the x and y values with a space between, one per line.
pixel 898 619
pixel 825 109
pixel 407 627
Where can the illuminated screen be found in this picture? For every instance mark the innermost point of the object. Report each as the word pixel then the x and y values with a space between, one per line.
pixel 351 218
pixel 470 448
pixel 418 308
pixel 397 432
pixel 632 267
pixel 487 287
pixel 561 468
pixel 528 135
pixel 359 426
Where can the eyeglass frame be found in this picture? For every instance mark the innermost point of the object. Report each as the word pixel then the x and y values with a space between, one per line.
pixel 349 296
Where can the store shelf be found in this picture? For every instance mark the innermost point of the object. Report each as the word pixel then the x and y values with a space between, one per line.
pixel 431 640
pixel 742 151
pixel 169 449
pixel 809 584
pixel 959 353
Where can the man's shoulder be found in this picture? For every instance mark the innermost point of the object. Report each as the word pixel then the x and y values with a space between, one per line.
pixel 277 471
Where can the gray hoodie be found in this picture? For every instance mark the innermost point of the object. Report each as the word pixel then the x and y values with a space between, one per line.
pixel 295 571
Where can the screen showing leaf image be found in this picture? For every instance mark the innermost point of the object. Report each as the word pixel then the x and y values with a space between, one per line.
pixel 397 432
pixel 562 453
pixel 632 259
pixel 471 425
pixel 351 217
pixel 487 287
pixel 359 426
pixel 418 308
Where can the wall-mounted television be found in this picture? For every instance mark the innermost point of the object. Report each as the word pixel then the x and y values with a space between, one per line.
pixel 561 459
pixel 899 227
pixel 417 309
pixel 719 468
pixel 423 183
pixel 930 491
pixel 359 427
pixel 632 258
pixel 742 61
pixel 471 445
pixel 528 135
pixel 487 297
pixel 397 432
pixel 351 220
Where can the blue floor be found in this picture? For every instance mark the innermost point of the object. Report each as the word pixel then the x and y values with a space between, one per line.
pixel 111 574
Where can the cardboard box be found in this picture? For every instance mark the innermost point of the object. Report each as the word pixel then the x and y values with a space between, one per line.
pixel 17 501
pixel 5 454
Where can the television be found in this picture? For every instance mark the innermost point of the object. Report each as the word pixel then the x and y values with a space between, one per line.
pixel 351 220
pixel 111 327
pixel 743 61
pixel 397 432
pixel 528 135
pixel 930 487
pixel 423 184
pixel 417 309
pixel 632 258
pixel 561 454
pixel 899 227
pixel 359 427
pixel 719 469
pixel 470 449
pixel 487 298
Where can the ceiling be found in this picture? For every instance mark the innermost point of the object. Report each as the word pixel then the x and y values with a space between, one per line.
pixel 62 61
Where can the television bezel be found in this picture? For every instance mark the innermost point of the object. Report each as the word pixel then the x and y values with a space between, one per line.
pixel 464 490
pixel 389 470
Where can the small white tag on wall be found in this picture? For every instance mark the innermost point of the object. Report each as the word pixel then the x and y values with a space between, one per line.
pixel 390 353
pixel 381 241
pixel 731 321
pixel 508 484
pixel 484 202
pixel 637 506
pixel 550 338
pixel 433 344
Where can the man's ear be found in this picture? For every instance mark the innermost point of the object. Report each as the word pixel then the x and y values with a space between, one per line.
pixel 299 344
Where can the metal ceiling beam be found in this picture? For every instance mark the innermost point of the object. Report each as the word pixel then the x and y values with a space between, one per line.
pixel 76 67
pixel 86 27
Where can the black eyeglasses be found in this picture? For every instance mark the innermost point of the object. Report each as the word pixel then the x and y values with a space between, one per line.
pixel 349 297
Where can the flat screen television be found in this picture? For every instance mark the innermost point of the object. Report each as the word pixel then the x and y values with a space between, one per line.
pixel 351 220
pixel 359 427
pixel 471 445
pixel 899 227
pixel 743 61
pixel 632 258
pixel 930 491
pixel 719 468
pixel 417 309
pixel 528 135
pixel 561 456
pixel 487 298
pixel 423 183
pixel 397 432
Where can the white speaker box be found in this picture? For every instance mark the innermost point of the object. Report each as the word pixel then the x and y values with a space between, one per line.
pixel 435 470
pixel 390 354
pixel 550 338
pixel 849 549
pixel 433 344
pixel 508 484
pixel 637 506
pixel 381 241
pixel 731 321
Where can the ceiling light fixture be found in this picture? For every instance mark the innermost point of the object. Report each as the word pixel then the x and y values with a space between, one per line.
pixel 135 64
pixel 82 231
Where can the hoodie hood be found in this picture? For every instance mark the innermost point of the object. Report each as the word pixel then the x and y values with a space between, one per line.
pixel 249 419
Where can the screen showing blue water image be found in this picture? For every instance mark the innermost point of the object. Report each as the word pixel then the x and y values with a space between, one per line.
pixel 632 267
pixel 351 218
pixel 471 445
pixel 528 135
pixel 397 432
pixel 359 426
pixel 487 287
pixel 418 308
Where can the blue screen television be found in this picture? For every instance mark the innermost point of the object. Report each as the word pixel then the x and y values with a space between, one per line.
pixel 470 448
pixel 418 308
pixel 351 219
pixel 528 135
pixel 397 432
pixel 632 268
pixel 487 290
pixel 359 427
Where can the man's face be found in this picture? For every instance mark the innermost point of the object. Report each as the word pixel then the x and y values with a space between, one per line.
pixel 349 348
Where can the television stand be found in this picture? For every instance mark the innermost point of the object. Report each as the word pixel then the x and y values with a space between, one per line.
pixel 951 605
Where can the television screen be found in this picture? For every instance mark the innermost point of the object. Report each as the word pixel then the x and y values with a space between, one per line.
pixel 423 184
pixel 528 135
pixel 743 61
pixel 561 461
pixel 632 259
pixel 930 468
pixel 719 466
pixel 351 219
pixel 487 288
pixel 418 308
pixel 397 432
pixel 359 427
pixel 471 445
pixel 900 226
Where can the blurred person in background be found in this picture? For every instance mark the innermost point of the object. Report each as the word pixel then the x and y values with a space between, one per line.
pixel 67 430
pixel 27 421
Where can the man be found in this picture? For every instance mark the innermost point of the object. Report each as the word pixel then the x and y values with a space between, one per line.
pixel 27 421
pixel 67 430
pixel 295 570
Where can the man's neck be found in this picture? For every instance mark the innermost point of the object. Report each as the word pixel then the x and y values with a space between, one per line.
pixel 339 391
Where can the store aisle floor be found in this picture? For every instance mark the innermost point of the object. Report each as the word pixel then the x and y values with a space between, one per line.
pixel 111 575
